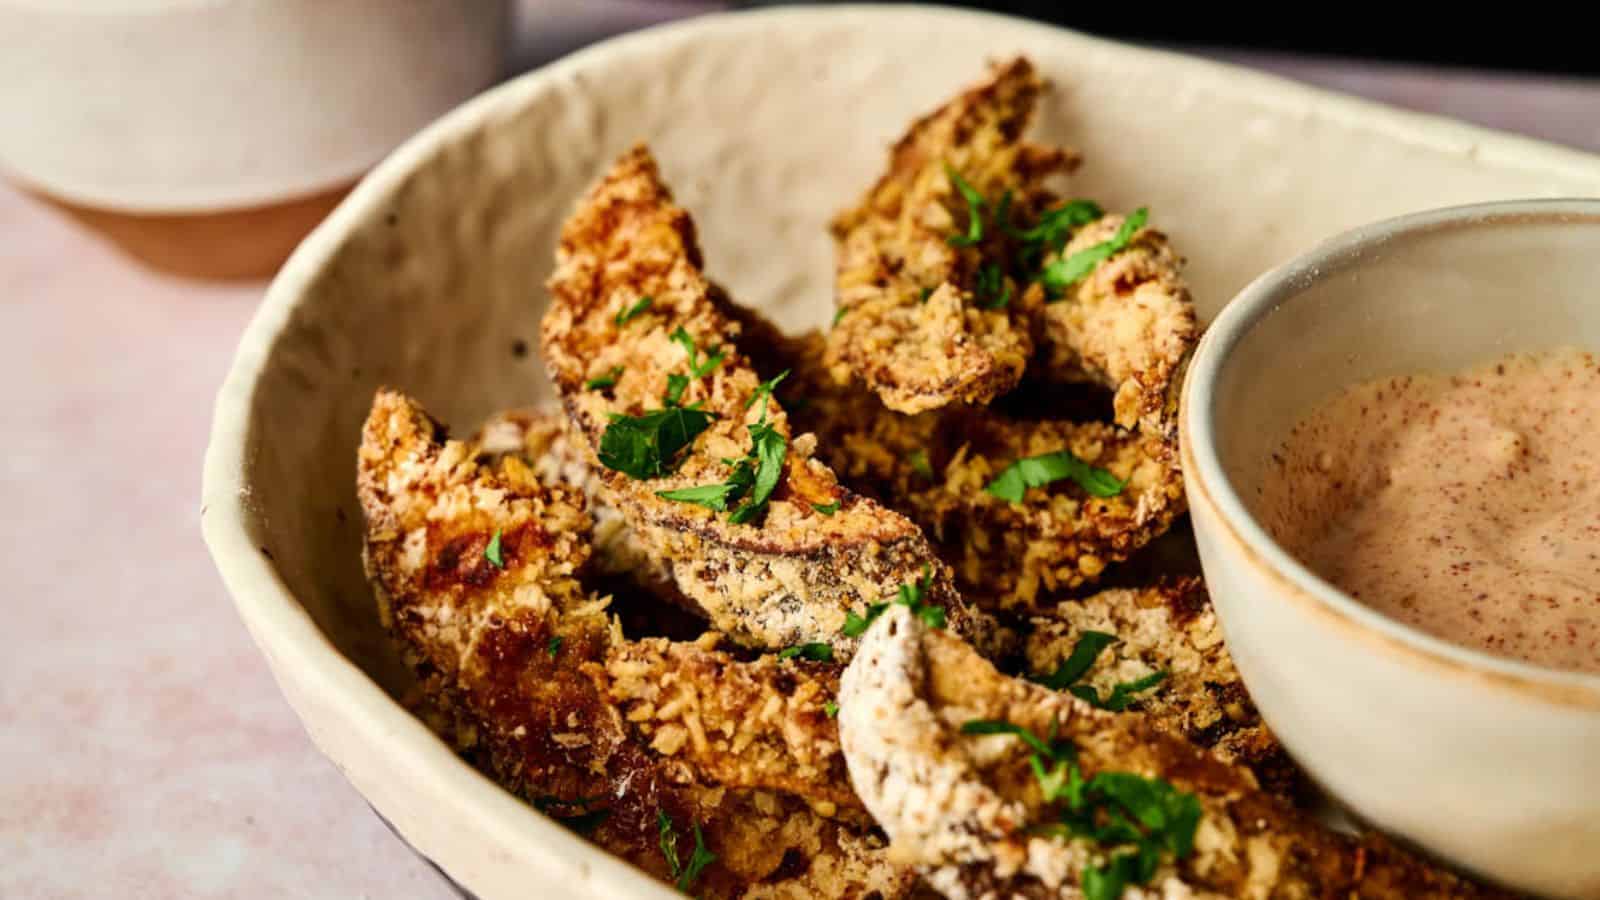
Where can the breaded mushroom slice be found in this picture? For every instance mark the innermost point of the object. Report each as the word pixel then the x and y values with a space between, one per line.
pixel 719 776
pixel 693 450
pixel 925 313
pixel 937 468
pixel 1158 650
pixel 1129 324
pixel 997 787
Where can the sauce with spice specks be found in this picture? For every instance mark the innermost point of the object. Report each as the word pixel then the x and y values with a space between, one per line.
pixel 1465 505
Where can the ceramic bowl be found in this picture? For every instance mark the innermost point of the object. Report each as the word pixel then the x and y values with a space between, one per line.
pixel 428 277
pixel 1488 762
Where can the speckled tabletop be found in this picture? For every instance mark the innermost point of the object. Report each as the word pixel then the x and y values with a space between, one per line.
pixel 144 749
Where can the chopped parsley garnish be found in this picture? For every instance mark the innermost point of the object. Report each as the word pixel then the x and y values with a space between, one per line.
pixel 831 708
pixel 1121 695
pixel 827 509
pixel 698 368
pixel 492 551
pixel 627 314
pixel 910 595
pixel 554 646
pixel 1063 273
pixel 583 823
pixel 607 380
pixel 645 446
pixel 753 478
pixel 920 464
pixel 1038 471
pixel 711 496
pixel 924 295
pixel 1078 663
pixel 1055 225
pixel 683 875
pixel 974 210
pixel 837 315
pixel 991 290
pixel 765 388
pixel 816 651
pixel 1133 818
pixel 676 385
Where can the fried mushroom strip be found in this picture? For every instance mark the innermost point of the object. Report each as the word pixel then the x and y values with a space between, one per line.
pixel 926 317
pixel 632 314
pixel 1170 631
pixel 935 468
pixel 967 804
pixel 475 570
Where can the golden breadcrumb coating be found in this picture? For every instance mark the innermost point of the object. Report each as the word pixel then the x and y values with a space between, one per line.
pixel 962 807
pixel 1171 628
pixel 790 577
pixel 475 571
pixel 1129 325
pixel 911 328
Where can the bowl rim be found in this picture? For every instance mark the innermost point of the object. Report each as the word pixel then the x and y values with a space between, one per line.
pixel 1205 475
pixel 282 628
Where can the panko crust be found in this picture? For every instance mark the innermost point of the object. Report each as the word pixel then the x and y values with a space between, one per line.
pixel 934 467
pixel 961 806
pixel 1167 627
pixel 558 723
pixel 1129 325
pixel 788 579
pixel 909 328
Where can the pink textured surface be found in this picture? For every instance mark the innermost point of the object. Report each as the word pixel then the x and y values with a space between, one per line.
pixel 146 751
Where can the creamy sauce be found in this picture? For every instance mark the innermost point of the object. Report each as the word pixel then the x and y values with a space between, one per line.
pixel 1465 505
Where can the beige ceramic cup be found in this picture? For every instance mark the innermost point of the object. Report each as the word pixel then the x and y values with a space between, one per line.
pixel 1487 762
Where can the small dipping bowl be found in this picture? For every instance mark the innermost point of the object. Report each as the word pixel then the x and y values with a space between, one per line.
pixel 1489 763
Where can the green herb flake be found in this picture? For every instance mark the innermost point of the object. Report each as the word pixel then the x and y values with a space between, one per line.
pixel 669 842
pixel 1079 661
pixel 1064 273
pixel 1055 226
pixel 769 447
pixel 909 595
pixel 676 385
pixel 698 860
pixel 698 367
pixel 920 464
pixel 626 315
pixel 831 709
pixel 997 726
pixel 608 380
pixel 817 652
pixel 856 626
pixel 838 314
pixel 492 552
pixel 925 294
pixel 974 210
pixel 1038 471
pixel 991 290
pixel 711 496
pixel 1121 695
pixel 765 388
pixel 554 646
pixel 645 446
pixel 827 509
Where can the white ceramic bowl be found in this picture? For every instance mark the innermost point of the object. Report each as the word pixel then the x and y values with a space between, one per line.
pixel 428 278
pixel 1486 761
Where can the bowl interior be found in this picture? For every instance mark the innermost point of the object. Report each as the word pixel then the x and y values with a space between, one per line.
pixel 1435 292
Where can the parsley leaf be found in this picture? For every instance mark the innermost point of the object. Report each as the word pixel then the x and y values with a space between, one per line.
pixel 676 385
pixel 926 293
pixel 1121 695
pixel 669 841
pixel 607 380
pixel 920 464
pixel 1038 471
pixel 711 496
pixel 831 708
pixel 769 448
pixel 492 551
pixel 698 860
pixel 991 290
pixel 765 388
pixel 997 726
pixel 554 646
pixel 816 651
pixel 974 210
pixel 644 446
pixel 909 595
pixel 1079 661
pixel 1063 273
pixel 827 509
pixel 1055 225
pixel 837 315
pixel 625 315
pixel 698 368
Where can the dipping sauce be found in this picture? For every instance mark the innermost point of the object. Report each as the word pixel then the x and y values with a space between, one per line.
pixel 1465 505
